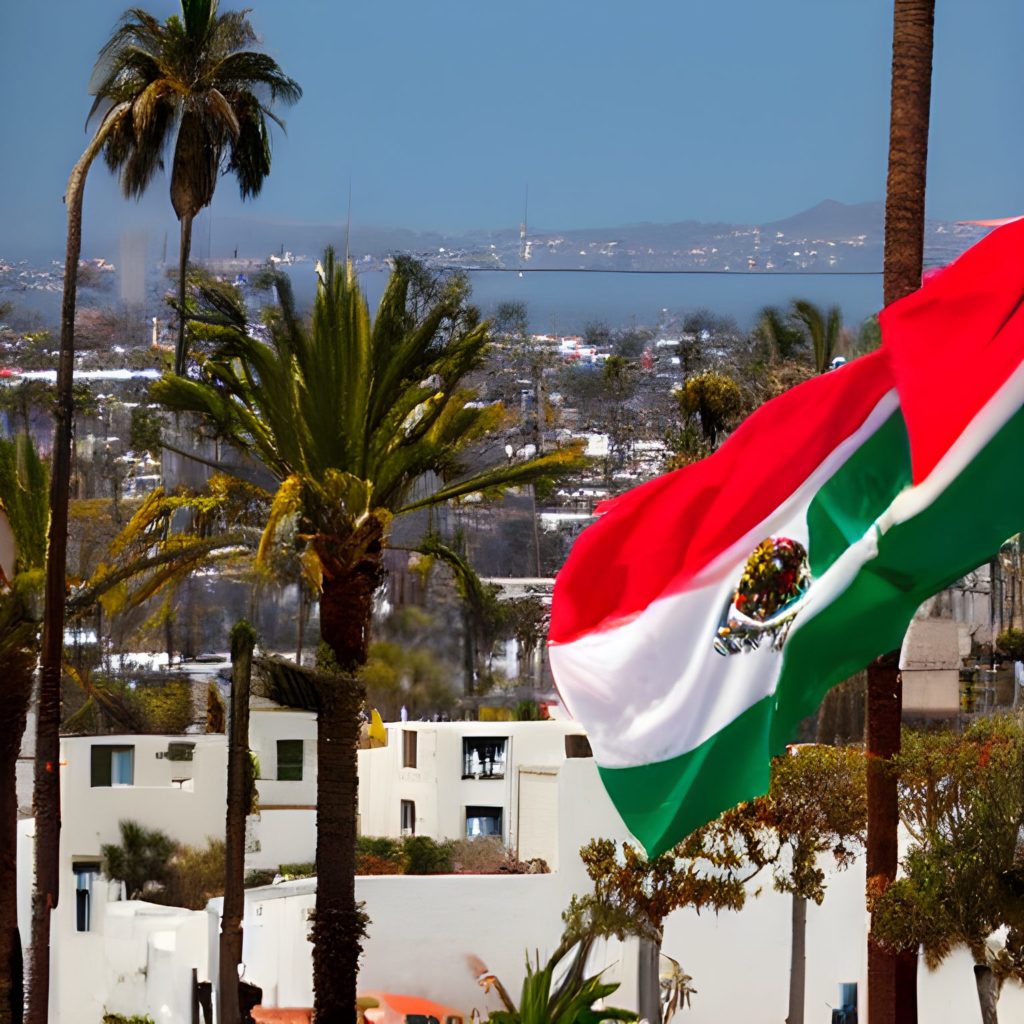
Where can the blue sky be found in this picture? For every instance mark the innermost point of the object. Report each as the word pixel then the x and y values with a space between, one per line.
pixel 441 113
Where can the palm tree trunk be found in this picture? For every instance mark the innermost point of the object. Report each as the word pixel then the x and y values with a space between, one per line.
pixel 346 611
pixel 338 925
pixel 798 962
pixel 184 250
pixel 913 24
pixel 240 783
pixel 884 710
pixel 46 795
pixel 892 978
pixel 648 982
pixel 16 693
pixel 988 993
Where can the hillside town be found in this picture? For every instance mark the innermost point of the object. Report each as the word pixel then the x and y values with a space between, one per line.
pixel 413 625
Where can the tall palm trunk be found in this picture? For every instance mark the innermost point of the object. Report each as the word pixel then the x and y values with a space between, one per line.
pixel 240 783
pixel 913 24
pixel 46 793
pixel 16 694
pixel 988 986
pixel 346 610
pixel 184 251
pixel 797 961
pixel 892 978
pixel 648 980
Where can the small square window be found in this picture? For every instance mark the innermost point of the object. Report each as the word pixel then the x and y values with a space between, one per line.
pixel 289 760
pixel 112 766
pixel 483 821
pixel 483 758
pixel 409 748
pixel 408 818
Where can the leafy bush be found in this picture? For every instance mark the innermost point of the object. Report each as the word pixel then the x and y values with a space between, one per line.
pixel 120 1018
pixel 259 876
pixel 379 855
pixel 482 855
pixel 141 860
pixel 1011 643
pixel 379 846
pixel 167 707
pixel 371 864
pixel 528 711
pixel 195 876
pixel 426 856
pixel 304 870
pixel 153 867
pixel 488 855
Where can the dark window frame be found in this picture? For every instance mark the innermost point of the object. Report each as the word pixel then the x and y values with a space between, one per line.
pixel 289 768
pixel 101 764
pixel 481 811
pixel 491 753
pixel 407 811
pixel 409 747
pixel 83 893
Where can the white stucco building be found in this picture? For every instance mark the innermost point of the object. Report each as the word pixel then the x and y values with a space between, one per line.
pixel 138 958
pixel 107 952
pixel 453 780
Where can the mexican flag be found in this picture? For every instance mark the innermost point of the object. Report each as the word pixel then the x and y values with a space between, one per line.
pixel 705 613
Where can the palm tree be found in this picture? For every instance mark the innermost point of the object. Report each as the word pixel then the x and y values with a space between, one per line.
pixel 193 80
pixel 892 978
pixel 46 788
pixel 150 554
pixel 786 334
pixel 823 327
pixel 360 422
pixel 23 520
pixel 913 28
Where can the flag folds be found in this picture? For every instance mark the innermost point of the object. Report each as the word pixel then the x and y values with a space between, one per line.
pixel 708 611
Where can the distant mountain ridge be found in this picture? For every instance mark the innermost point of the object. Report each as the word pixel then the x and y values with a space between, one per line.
pixel 830 236
pixel 829 218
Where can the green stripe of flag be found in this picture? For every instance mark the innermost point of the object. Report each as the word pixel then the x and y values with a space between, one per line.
pixel 915 559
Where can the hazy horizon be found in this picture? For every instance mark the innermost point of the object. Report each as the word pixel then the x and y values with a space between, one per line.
pixel 441 116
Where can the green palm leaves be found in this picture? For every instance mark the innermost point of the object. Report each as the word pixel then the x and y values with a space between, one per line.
pixel 803 325
pixel 24 515
pixel 196 80
pixel 356 419
pixel 193 80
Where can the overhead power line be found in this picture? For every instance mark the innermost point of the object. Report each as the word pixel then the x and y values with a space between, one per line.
pixel 692 270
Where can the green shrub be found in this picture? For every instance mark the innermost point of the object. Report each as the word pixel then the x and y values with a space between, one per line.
pixel 195 876
pixel 120 1018
pixel 379 846
pixel 289 871
pixel 259 876
pixel 1011 643
pixel 371 864
pixel 426 856
pixel 379 855
pixel 141 860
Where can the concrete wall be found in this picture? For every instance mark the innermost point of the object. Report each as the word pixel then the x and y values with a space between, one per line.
pixel 423 928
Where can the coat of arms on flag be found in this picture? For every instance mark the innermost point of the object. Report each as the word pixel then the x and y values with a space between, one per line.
pixel 706 612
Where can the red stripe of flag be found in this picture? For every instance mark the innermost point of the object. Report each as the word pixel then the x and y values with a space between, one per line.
pixel 653 540
pixel 955 341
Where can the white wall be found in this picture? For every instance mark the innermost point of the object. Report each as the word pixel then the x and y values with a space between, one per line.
pixel 285 831
pixel 424 927
pixel 140 962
